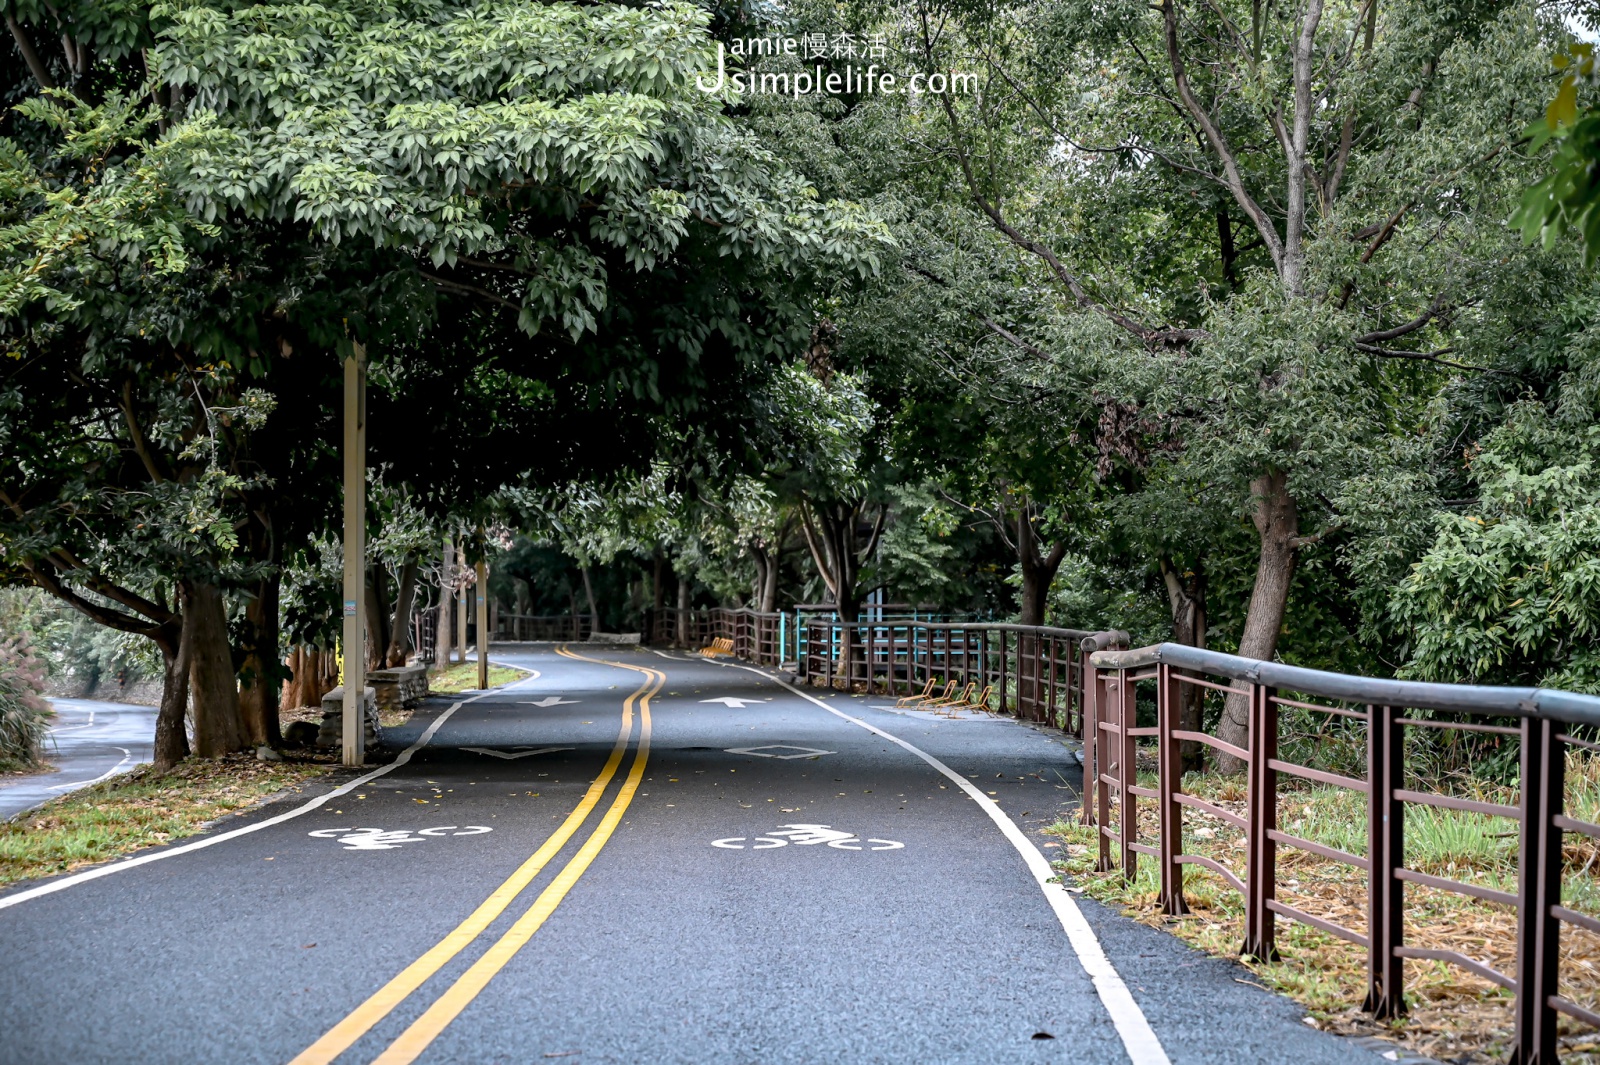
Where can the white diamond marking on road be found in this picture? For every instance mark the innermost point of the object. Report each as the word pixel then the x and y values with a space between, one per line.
pixel 376 839
pixel 760 752
pixel 806 836
pixel 516 752
pixel 734 702
pixel 548 700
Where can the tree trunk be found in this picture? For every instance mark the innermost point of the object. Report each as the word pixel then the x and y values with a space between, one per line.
pixel 443 633
pixel 1277 520
pixel 218 727
pixel 378 616
pixel 258 704
pixel 765 576
pixel 588 590
pixel 769 589
pixel 683 611
pixel 400 630
pixel 293 666
pixel 308 679
pixel 1186 596
pixel 172 742
pixel 1038 571
pixel 658 590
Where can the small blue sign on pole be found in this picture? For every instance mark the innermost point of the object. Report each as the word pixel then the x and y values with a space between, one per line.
pixel 349 608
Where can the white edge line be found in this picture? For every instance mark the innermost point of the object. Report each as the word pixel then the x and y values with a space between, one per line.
pixel 155 856
pixel 1137 1036
pixel 126 755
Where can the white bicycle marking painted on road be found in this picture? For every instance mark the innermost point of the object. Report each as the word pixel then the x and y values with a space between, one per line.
pixel 804 752
pixel 1138 1038
pixel 548 700
pixel 376 839
pixel 734 702
pixel 516 752
pixel 805 836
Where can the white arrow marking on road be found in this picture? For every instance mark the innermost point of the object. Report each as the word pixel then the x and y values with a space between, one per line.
pixel 759 752
pixel 515 752
pixel 733 701
pixel 548 700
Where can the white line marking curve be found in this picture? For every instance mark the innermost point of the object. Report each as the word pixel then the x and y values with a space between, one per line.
pixel 1138 1038
pixel 344 789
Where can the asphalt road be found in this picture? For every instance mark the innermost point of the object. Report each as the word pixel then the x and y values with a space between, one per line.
pixel 90 741
pixel 861 906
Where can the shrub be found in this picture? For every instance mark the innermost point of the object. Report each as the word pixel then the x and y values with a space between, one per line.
pixel 24 713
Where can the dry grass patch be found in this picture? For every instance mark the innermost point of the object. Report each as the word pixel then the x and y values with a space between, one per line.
pixel 1454 1015
pixel 141 809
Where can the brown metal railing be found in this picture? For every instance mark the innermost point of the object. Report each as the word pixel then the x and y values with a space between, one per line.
pixel 531 628
pixel 1034 671
pixel 756 636
pixel 1386 710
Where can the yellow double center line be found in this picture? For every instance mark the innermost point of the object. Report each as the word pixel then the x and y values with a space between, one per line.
pixel 415 1039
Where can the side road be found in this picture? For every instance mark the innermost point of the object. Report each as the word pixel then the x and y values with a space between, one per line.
pixel 636 857
pixel 89 742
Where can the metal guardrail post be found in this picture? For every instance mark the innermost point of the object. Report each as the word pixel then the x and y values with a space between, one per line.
pixel 1539 890
pixel 1169 783
pixel 1093 808
pixel 1003 663
pixel 1385 853
pixel 1127 767
pixel 1262 804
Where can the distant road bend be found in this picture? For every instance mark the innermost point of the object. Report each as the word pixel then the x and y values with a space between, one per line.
pixel 633 857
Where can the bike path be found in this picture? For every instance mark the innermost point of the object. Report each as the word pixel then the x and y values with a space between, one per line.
pixel 667 948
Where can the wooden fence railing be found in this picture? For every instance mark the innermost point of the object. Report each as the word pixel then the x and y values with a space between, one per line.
pixel 1381 716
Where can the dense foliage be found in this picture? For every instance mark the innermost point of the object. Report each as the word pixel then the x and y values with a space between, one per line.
pixel 1261 327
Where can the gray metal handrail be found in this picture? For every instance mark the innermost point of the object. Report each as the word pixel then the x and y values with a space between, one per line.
pixel 1570 707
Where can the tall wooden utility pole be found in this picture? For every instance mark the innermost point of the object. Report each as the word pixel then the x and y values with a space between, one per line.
pixel 483 625
pixel 355 554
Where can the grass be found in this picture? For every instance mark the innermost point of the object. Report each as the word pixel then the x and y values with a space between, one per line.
pixel 1454 1015
pixel 141 809
pixel 464 678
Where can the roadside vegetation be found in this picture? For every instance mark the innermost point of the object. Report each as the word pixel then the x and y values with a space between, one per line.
pixel 145 808
pixel 456 679
pixel 24 713
pixel 1454 1016
pixel 1199 320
